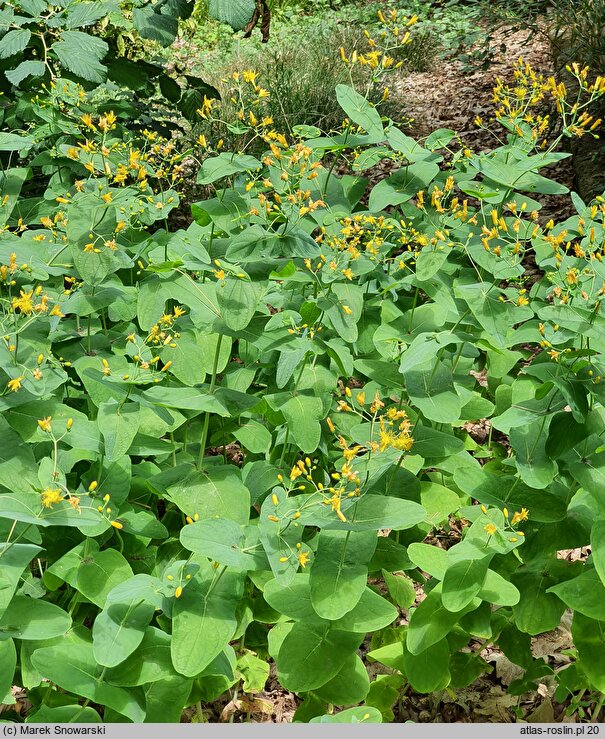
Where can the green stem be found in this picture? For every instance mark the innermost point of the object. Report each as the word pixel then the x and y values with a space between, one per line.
pixel 205 427
pixel 597 709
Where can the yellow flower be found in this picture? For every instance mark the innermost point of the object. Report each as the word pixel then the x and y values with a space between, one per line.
pixel 303 558
pixel 24 302
pixel 346 310
pixel 491 528
pixel 45 424
pixel 50 496
pixel 87 121
pixel 15 384
pixel 521 515
pixel 56 311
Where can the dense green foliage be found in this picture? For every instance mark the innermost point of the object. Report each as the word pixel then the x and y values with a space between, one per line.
pixel 241 442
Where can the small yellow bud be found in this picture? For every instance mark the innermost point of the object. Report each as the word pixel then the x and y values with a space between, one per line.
pixel 178 592
pixel 93 486
pixel 69 424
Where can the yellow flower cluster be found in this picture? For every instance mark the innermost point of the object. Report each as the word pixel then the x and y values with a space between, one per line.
pixel 34 301
pixel 105 509
pixel 517 105
pixel 390 429
pixel 510 523
pixel 359 235
pixel 16 383
pixel 383 47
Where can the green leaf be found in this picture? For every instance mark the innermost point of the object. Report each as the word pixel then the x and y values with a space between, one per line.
pixel 597 543
pixel 462 581
pixel 29 618
pixel 29 68
pixel 402 185
pixel 155 26
pixel 150 662
pixel 94 574
pixel 495 316
pixel 360 111
pixel 81 54
pixel 589 639
pixel 64 715
pixel 584 594
pixel 372 613
pixel 498 590
pixel 439 139
pixel 225 165
pixel 254 672
pixel 216 493
pixel 84 14
pixel 312 654
pixel 536 468
pixel 195 399
pixel 13 42
pixel 120 627
pixel 188 360
pixel 26 507
pixel 225 542
pixel 368 513
pixel 254 437
pixel 406 145
pixel 237 299
pixel 119 424
pixel 401 589
pixel 431 389
pixel 74 668
pixel 164 699
pixel 302 414
pixel 538 610
pixel 429 558
pixel 431 621
pixel 349 686
pixel 236 13
pixel 428 671
pixel 359 715
pixel 339 573
pixel 204 620
pixel 8 664
pixel 14 558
